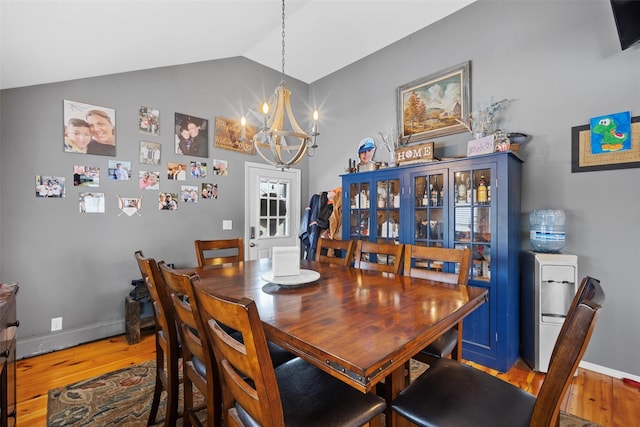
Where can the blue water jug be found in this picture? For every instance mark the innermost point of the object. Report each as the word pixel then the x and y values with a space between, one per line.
pixel 547 232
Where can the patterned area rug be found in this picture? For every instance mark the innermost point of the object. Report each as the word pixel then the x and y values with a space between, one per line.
pixel 123 398
pixel 119 398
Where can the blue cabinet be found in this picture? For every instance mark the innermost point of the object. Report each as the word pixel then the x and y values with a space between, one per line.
pixel 471 202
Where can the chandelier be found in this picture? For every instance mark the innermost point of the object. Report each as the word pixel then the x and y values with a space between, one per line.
pixel 280 140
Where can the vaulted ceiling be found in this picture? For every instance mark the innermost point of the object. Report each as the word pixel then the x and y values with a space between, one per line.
pixel 45 41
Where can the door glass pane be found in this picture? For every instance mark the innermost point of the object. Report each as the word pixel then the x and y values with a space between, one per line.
pixel 481 262
pixel 274 203
pixel 360 202
pixel 429 211
pixel 421 191
pixel 482 186
pixel 383 224
pixel 436 225
pixel 462 226
pixel 482 224
pixel 388 209
pixel 481 265
pixel 463 188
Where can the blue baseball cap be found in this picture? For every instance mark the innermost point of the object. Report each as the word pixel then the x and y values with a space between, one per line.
pixel 366 145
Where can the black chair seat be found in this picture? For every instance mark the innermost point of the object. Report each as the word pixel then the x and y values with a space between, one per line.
pixel 450 393
pixel 278 354
pixel 443 346
pixel 312 398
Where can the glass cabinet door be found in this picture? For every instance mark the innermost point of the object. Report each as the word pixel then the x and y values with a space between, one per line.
pixel 472 218
pixel 388 210
pixel 429 212
pixel 360 202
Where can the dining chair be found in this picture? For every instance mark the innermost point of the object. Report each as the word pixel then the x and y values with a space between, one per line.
pixel 168 348
pixel 389 253
pixel 225 251
pixel 197 355
pixel 333 251
pixel 436 263
pixel 452 393
pixel 293 394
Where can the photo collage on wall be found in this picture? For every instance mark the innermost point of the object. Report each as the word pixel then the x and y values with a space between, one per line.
pixel 91 129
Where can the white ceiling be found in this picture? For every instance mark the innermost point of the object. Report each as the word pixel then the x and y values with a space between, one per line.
pixel 44 41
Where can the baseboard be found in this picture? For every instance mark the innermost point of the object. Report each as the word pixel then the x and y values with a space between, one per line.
pixel 53 341
pixel 608 371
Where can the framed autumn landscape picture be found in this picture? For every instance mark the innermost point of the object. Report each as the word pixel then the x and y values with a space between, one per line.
pixel 435 105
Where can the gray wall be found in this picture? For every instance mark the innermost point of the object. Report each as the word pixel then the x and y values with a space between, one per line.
pixel 560 63
pixel 79 266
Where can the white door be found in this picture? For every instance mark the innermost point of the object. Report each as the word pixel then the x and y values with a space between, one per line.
pixel 272 209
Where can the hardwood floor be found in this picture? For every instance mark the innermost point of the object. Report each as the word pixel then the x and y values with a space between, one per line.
pixel 596 397
pixel 37 375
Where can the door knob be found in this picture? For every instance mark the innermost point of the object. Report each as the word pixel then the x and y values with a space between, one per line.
pixel 253 245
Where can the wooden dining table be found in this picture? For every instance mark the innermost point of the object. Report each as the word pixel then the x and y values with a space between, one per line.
pixel 359 326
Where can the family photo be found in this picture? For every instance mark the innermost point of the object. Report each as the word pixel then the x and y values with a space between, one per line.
pixel 149 153
pixel 149 120
pixel 191 136
pixel 49 186
pixel 89 129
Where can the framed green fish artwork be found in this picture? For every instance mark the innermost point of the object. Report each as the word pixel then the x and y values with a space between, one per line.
pixel 607 142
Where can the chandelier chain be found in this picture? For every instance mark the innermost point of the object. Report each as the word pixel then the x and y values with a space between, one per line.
pixel 282 41
pixel 277 143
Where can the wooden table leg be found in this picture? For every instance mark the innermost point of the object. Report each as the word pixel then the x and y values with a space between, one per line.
pixel 394 383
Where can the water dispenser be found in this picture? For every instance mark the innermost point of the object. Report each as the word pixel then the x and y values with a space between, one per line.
pixel 548 285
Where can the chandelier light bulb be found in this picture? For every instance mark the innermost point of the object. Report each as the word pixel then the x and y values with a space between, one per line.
pixel 314 129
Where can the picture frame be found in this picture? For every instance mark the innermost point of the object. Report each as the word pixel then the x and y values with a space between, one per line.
pixel 119 170
pixel 191 135
pixel 583 160
pixel 150 153
pixel 88 129
pixel 50 186
pixel 436 105
pixel 228 133
pixel 91 203
pixel 149 120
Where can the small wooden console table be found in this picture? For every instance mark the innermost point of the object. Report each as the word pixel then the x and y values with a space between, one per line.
pixel 8 326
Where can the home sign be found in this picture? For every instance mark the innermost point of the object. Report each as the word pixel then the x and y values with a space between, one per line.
pixel 415 154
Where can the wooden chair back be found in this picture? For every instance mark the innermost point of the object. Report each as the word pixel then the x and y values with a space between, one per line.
pixel 568 351
pixel 389 252
pixel 338 252
pixel 168 351
pixel 154 281
pixel 428 262
pixel 197 355
pixel 245 367
pixel 227 250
